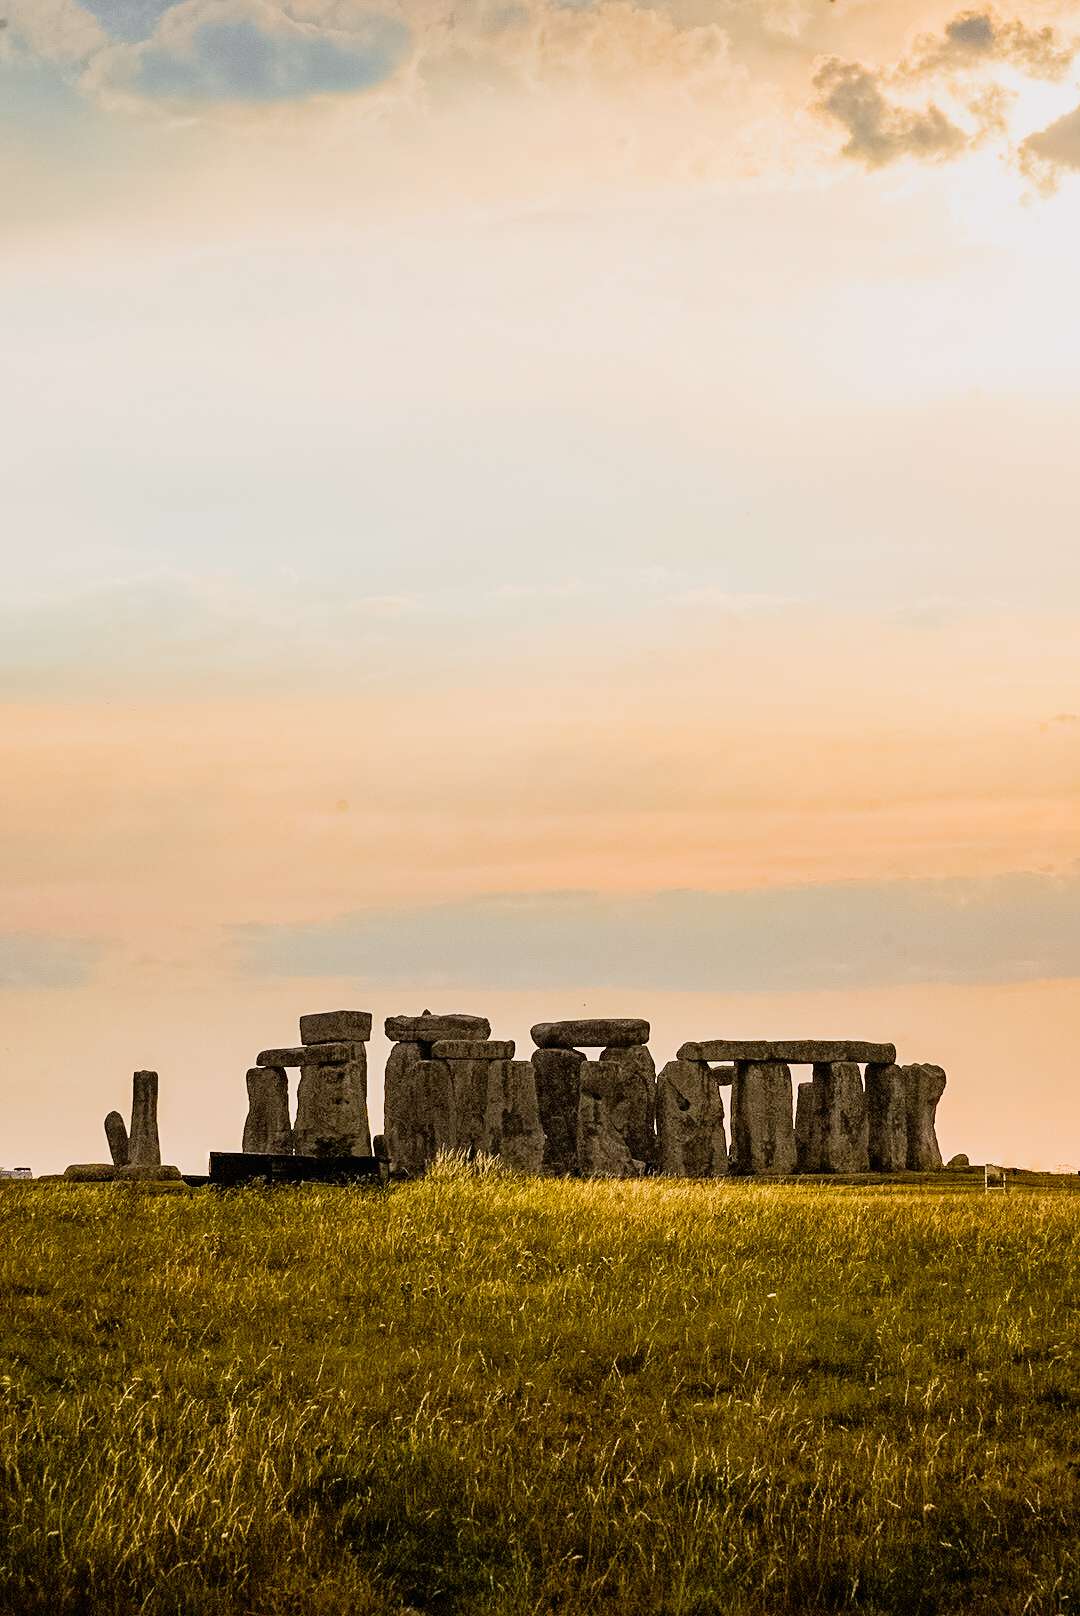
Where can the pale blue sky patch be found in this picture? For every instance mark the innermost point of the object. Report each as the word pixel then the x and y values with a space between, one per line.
pixel 36 960
pixel 129 20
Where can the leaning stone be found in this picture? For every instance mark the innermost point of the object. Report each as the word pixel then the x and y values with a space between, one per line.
pixel 762 1129
pixel 886 1110
pixel 791 1052
pixel 512 1129
pixel 958 1161
pixel 147 1173
pixel 91 1172
pixel 117 1135
pixel 809 1128
pixel 332 1054
pixel 429 1029
pixel 629 1087
pixel 267 1130
pixel 844 1130
pixel 558 1089
pixel 336 1026
pixel 924 1086
pixel 144 1146
pixel 601 1034
pixel 331 1109
pixel 473 1049
pixel 691 1142
pixel 601 1148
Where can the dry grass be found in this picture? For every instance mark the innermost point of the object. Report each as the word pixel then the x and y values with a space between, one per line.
pixel 485 1394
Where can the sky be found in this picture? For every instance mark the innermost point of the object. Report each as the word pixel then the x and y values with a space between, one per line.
pixel 536 509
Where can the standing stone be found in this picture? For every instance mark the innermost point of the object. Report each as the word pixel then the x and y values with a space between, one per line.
pixel 512 1127
pixel 809 1128
pixel 267 1130
pixel 630 1092
pixel 886 1110
pixel 420 1114
pixel 558 1089
pixel 843 1118
pixel 601 1148
pixel 471 1082
pixel 117 1135
pixel 691 1142
pixel 762 1129
pixel 144 1148
pixel 331 1109
pixel 924 1086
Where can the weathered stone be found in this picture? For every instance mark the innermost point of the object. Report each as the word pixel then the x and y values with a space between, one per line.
pixel 473 1049
pixel 629 1088
pixel 472 1082
pixel 333 1054
pixel 144 1147
pixel 419 1107
pixel 267 1129
pixel 959 1161
pixel 809 1128
pixel 886 1110
pixel 91 1172
pixel 723 1074
pixel 596 1034
pixel 762 1129
pixel 844 1132
pixel 336 1026
pixel 117 1135
pixel 379 1148
pixel 558 1089
pixel 331 1109
pixel 513 1131
pixel 601 1148
pixel 691 1142
pixel 924 1085
pixel 429 1029
pixel 790 1052
pixel 147 1173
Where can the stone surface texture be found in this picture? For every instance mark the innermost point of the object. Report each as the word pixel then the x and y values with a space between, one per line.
pixel 473 1082
pixel 762 1128
pixel 420 1110
pixel 336 1027
pixel 844 1131
pixel 592 1034
pixel 473 1049
pixel 331 1109
pixel 512 1125
pixel 91 1172
pixel 144 1147
pixel 600 1147
pixel 117 1135
pixel 429 1029
pixel 691 1142
pixel 958 1161
pixel 790 1052
pixel 333 1054
pixel 924 1085
pixel 148 1173
pixel 558 1089
pixel 628 1087
pixel 886 1111
pixel 809 1120
pixel 267 1129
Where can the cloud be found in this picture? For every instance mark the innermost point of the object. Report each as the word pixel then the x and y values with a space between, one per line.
pixel 975 38
pixel 129 19
pixel 58 30
pixel 1016 927
pixel 250 51
pixel 33 960
pixel 1052 151
pixel 879 130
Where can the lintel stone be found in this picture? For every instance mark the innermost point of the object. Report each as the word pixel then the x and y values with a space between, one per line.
pixel 336 1026
pixel 790 1052
pixel 612 1033
pixel 336 1054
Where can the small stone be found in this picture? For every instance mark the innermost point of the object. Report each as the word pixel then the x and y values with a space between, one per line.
pixel 844 1128
pixel 924 1085
pixel 886 1110
pixel 600 1147
pixel 331 1054
pixel 148 1173
pixel 762 1129
pixel 429 1029
pixel 473 1049
pixel 691 1142
pixel 117 1135
pixel 513 1131
pixel 91 1172
pixel 558 1089
pixel 601 1034
pixel 336 1026
pixel 958 1161
pixel 791 1052
pixel 144 1148
pixel 331 1109
pixel 267 1130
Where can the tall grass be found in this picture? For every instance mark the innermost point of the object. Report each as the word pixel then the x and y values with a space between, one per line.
pixel 484 1394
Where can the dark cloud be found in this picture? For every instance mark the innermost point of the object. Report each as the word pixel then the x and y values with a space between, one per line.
pixel 975 38
pixel 1055 150
pixel 879 130
pixel 1019 927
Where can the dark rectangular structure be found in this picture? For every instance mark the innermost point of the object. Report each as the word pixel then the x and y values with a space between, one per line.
pixel 231 1169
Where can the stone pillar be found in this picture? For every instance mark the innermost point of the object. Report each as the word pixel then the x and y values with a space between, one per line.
pixel 630 1093
pixel 512 1128
pixel 886 1109
pixel 331 1107
pixel 558 1091
pixel 809 1120
pixel 476 1073
pixel 420 1114
pixel 923 1087
pixel 762 1129
pixel 267 1130
pixel 144 1146
pixel 117 1135
pixel 844 1133
pixel 691 1142
pixel 601 1150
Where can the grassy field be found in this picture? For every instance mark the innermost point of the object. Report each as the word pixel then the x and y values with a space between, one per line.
pixel 483 1394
